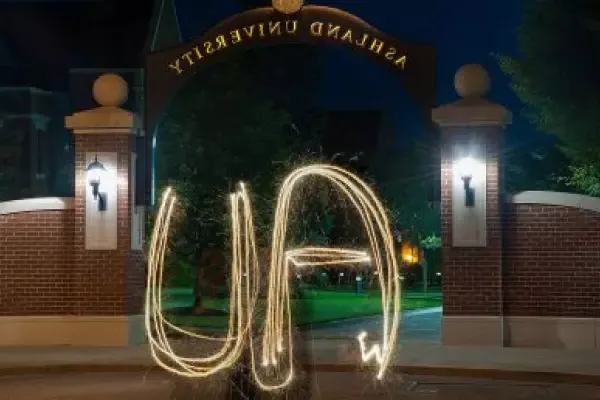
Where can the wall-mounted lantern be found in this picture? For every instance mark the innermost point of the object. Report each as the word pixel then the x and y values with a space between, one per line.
pixel 96 173
pixel 466 169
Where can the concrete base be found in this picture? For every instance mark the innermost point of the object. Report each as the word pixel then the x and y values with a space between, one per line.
pixel 533 332
pixel 73 330
pixel 471 331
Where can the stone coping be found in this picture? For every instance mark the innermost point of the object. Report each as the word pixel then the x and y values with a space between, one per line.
pixel 557 199
pixel 36 204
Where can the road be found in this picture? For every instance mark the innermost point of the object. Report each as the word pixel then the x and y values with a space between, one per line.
pixel 415 326
pixel 105 386
pixel 325 386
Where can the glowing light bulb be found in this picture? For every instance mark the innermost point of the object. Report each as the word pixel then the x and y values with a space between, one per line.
pixel 466 167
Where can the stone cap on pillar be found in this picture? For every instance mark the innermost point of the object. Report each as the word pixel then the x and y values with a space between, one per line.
pixel 472 82
pixel 110 91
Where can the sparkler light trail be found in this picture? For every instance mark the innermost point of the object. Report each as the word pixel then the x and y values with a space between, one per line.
pixel 244 291
pixel 367 355
pixel 275 351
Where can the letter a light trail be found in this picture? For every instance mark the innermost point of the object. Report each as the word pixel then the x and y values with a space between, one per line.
pixel 271 351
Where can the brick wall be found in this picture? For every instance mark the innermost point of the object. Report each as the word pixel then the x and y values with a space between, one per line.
pixel 552 261
pixel 102 278
pixel 44 266
pixel 36 263
pixel 136 282
pixel 471 275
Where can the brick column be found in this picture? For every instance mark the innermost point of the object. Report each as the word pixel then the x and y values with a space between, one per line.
pixel 108 269
pixel 471 133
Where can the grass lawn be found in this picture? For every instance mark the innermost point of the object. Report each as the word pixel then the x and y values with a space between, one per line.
pixel 315 306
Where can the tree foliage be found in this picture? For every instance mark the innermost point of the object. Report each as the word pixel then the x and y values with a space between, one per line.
pixel 13 179
pixel 535 168
pixel 223 129
pixel 406 186
pixel 556 76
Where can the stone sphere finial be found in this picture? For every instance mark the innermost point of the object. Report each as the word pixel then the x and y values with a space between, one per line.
pixel 472 81
pixel 110 90
pixel 288 6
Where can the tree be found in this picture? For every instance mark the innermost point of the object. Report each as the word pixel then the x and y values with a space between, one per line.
pixel 289 72
pixel 407 173
pixel 405 185
pixel 535 168
pixel 556 76
pixel 223 128
pixel 13 179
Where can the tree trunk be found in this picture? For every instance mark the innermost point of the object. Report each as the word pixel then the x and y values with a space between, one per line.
pixel 425 266
pixel 197 307
pixel 207 274
pixel 264 257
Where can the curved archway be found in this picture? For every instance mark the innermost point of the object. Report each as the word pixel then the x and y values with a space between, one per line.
pixel 168 70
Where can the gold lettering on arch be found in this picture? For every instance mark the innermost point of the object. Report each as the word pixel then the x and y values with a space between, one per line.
pixel 272 356
pixel 287 28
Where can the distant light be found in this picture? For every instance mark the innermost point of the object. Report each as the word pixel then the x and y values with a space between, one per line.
pixel 439 274
pixel 358 278
pixel 288 6
pixel 341 274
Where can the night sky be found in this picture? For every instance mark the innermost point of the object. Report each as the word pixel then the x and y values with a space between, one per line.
pixel 465 31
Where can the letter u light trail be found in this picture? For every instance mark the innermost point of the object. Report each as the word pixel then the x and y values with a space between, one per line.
pixel 272 351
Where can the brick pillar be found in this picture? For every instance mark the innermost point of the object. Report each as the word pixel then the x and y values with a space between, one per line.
pixel 108 271
pixel 471 199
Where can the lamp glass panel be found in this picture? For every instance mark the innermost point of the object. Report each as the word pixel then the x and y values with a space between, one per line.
pixel 96 174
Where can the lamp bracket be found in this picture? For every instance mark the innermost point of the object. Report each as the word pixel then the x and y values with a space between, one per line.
pixel 102 200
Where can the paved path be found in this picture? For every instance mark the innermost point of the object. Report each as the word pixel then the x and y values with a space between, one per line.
pixel 419 353
pixel 340 354
pixel 415 326
pixel 107 386
pixel 430 388
pixel 324 386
